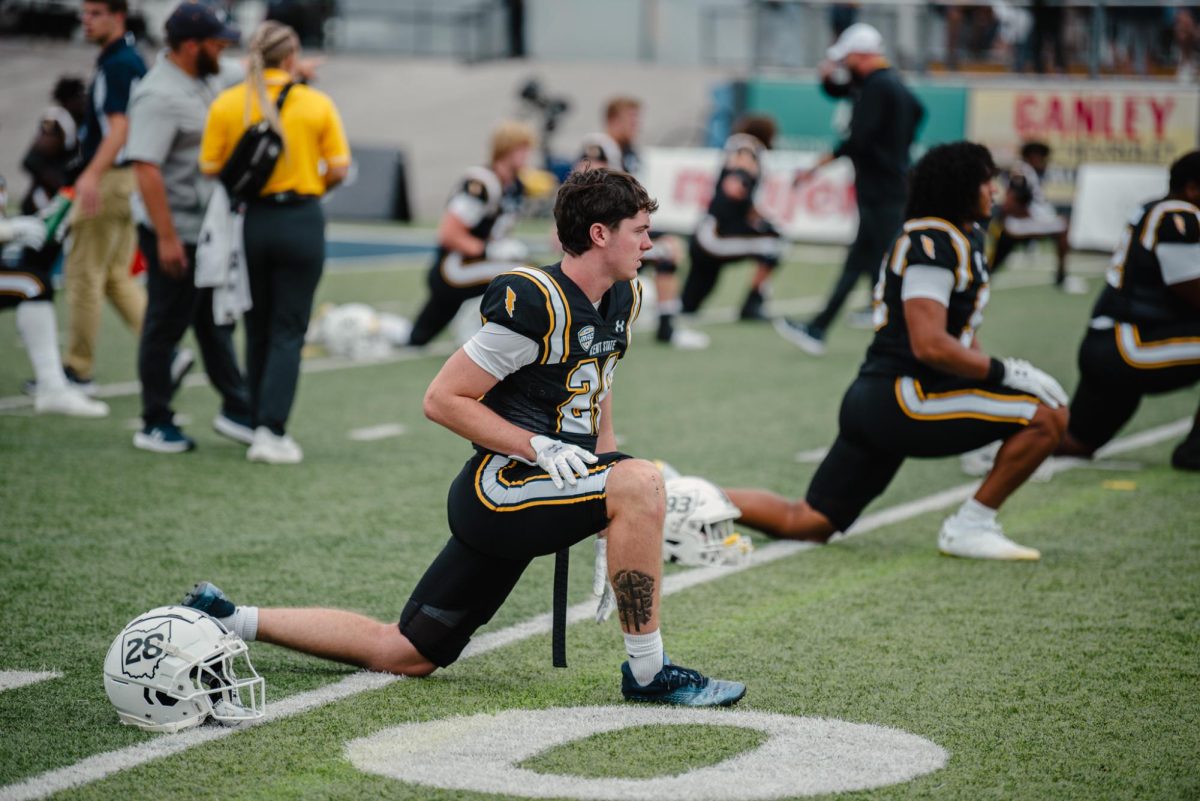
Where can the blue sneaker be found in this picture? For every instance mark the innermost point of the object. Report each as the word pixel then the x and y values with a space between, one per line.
pixel 207 597
pixel 165 438
pixel 678 685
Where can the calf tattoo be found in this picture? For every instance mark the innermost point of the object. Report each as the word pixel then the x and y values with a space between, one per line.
pixel 635 598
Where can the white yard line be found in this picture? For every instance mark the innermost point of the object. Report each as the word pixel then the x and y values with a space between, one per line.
pixel 99 766
pixel 13 679
pixel 373 433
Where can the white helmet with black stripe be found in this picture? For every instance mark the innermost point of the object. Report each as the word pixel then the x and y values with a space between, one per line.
pixel 175 667
pixel 698 527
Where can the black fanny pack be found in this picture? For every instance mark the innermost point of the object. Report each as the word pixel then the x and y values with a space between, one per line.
pixel 253 159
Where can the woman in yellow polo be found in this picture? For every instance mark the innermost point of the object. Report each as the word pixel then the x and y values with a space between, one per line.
pixel 284 226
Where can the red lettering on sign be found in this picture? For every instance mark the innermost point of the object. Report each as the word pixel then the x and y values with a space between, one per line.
pixel 1026 124
pixel 693 187
pixel 1085 115
pixel 1131 114
pixel 1054 116
pixel 1160 114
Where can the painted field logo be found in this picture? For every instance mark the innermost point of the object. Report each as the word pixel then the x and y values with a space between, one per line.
pixel 801 756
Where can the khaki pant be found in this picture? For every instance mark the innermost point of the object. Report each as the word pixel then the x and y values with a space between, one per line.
pixel 97 266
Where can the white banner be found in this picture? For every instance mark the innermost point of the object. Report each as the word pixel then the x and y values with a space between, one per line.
pixel 822 210
pixel 1105 197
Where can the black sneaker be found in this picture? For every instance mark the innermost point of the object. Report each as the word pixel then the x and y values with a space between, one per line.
pixel 164 438
pixel 1186 455
pixel 682 687
pixel 207 597
pixel 752 308
pixel 802 335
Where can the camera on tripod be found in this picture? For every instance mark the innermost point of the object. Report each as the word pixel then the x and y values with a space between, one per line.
pixel 551 107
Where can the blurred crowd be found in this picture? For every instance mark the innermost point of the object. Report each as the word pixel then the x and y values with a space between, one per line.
pixel 1044 36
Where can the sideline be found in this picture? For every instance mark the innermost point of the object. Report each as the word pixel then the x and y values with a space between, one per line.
pixel 442 349
pixel 99 766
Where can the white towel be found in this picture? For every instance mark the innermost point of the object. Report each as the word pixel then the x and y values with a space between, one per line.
pixel 221 259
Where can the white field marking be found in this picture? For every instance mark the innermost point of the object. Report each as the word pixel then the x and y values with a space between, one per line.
pixel 372 433
pixel 12 679
pixel 97 767
pixel 811 456
pixel 801 756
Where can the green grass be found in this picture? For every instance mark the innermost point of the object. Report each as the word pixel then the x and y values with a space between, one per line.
pixel 1073 678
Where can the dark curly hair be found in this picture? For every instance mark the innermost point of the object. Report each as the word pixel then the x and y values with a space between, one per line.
pixel 597 195
pixel 67 89
pixel 761 126
pixel 945 183
pixel 1185 170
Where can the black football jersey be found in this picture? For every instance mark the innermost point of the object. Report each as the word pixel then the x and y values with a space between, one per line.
pixel 1137 291
pixel 932 242
pixel 743 159
pixel 487 207
pixel 579 346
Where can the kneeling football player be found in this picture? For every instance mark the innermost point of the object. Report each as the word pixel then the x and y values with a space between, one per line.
pixel 925 388
pixel 532 392
pixel 1144 336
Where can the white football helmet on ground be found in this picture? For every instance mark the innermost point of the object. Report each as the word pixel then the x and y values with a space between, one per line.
pixel 174 667
pixel 698 528
pixel 353 331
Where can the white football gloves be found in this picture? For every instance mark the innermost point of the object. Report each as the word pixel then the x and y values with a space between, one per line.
pixel 1020 374
pixel 507 250
pixel 27 231
pixel 561 460
pixel 601 587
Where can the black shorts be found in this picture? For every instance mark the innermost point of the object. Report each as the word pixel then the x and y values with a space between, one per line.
pixel 1118 366
pixel 28 281
pixel 502 514
pixel 452 281
pixel 721 241
pixel 885 420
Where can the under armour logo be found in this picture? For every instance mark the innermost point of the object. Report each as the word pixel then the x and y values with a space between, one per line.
pixel 620 326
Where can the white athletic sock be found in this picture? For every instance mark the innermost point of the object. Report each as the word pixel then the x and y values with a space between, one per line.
pixel 38 328
pixel 975 512
pixel 243 622
pixel 645 655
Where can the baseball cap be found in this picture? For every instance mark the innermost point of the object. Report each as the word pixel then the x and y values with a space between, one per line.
pixel 198 21
pixel 858 38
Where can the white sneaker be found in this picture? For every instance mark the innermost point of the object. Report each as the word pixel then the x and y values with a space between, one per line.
pixel 272 449
pixel 69 401
pixel 228 427
pixel 689 339
pixel 981 541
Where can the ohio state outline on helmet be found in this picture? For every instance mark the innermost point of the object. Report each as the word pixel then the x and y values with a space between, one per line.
pixel 175 667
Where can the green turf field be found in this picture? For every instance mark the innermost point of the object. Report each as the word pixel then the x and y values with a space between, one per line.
pixel 1074 678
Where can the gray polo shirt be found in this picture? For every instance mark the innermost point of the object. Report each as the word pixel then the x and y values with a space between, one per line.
pixel 166 121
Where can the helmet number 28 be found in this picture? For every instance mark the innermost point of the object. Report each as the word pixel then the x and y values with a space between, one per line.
pixel 150 647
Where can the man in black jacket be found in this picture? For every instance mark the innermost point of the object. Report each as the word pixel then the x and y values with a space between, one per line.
pixel 882 127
